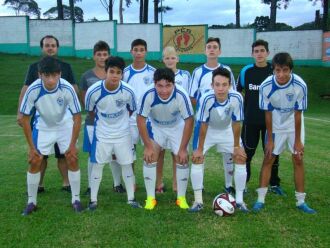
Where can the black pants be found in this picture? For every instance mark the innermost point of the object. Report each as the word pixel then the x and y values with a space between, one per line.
pixel 250 137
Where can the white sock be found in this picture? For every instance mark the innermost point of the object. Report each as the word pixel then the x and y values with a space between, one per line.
pixel 128 177
pixel 197 175
pixel 240 181
pixel 149 175
pixel 74 179
pixel 228 167
pixel 89 171
pixel 96 178
pixel 182 177
pixel 116 172
pixel 262 194
pixel 32 180
pixel 300 196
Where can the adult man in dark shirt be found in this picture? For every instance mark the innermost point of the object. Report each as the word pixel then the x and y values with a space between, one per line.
pixel 49 46
pixel 249 80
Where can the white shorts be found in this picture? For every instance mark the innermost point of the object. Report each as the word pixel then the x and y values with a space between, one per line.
pixel 284 140
pixel 88 137
pixel 135 134
pixel 102 152
pixel 167 137
pixel 44 140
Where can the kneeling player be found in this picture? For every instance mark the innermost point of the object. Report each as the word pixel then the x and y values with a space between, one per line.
pixel 51 96
pixel 219 123
pixel 283 97
pixel 112 101
pixel 168 108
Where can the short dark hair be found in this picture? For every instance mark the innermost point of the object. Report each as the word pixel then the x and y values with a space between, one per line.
pixel 101 46
pixel 49 65
pixel 222 72
pixel 164 73
pixel 49 37
pixel 115 62
pixel 260 43
pixel 138 42
pixel 282 59
pixel 216 39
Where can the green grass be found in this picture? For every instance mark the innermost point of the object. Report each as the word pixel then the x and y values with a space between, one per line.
pixel 115 224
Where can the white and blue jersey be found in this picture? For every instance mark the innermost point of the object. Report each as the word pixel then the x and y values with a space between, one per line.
pixel 111 109
pixel 52 106
pixel 183 79
pixel 202 79
pixel 166 113
pixel 282 101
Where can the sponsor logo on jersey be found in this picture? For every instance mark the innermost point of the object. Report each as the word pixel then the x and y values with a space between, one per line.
pixel 254 87
pixel 60 101
pixel 289 96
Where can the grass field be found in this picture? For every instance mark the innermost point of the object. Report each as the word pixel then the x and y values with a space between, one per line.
pixel 115 224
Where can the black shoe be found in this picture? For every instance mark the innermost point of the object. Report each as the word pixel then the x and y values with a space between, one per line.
pixel 230 190
pixel 119 189
pixel 66 188
pixel 29 209
pixel 77 207
pixel 41 189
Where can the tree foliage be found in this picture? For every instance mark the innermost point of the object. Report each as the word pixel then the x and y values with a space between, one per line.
pixel 78 13
pixel 274 5
pixel 28 7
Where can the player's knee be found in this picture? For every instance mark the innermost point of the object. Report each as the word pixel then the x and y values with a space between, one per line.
pixel 34 167
pixel 72 164
pixel 240 160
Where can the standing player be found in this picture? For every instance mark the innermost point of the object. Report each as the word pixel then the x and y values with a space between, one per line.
pixel 182 78
pixel 283 97
pixel 170 123
pixel 110 103
pixel 51 96
pixel 101 52
pixel 220 115
pixel 49 46
pixel 139 75
pixel 201 82
pixel 254 126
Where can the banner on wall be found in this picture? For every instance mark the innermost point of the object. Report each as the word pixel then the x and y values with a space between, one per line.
pixel 326 46
pixel 185 39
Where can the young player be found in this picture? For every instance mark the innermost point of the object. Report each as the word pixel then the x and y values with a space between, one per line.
pixel 170 122
pixel 49 46
pixel 101 52
pixel 249 80
pixel 182 78
pixel 220 115
pixel 51 96
pixel 201 82
pixel 283 97
pixel 110 103
pixel 139 75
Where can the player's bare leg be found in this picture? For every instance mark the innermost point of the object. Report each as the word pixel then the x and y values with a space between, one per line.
pixel 43 168
pixel 159 177
pixel 174 184
pixel 63 168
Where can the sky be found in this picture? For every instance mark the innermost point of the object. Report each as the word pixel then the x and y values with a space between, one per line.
pixel 187 12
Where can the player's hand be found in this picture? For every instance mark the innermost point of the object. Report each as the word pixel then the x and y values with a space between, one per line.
pixel 298 148
pixel 34 158
pixel 197 157
pixel 183 157
pixel 149 154
pixel 239 153
pixel 71 154
pixel 269 149
pixel 19 119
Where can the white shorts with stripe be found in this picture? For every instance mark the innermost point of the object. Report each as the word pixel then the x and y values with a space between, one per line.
pixel 282 141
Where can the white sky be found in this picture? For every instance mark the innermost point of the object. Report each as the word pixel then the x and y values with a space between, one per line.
pixel 193 11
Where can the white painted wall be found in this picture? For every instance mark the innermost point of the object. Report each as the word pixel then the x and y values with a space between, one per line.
pixel 13 30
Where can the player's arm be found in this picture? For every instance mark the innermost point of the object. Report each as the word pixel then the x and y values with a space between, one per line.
pixel 197 156
pixel 149 154
pixel 82 96
pixel 269 147
pixel 298 145
pixel 238 152
pixel 187 131
pixel 19 114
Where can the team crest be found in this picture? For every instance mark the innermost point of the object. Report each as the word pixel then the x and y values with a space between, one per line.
pixel 178 82
pixel 289 96
pixel 119 103
pixel 227 110
pixel 60 101
pixel 146 80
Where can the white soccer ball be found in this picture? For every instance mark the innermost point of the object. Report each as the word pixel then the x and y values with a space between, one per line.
pixel 224 204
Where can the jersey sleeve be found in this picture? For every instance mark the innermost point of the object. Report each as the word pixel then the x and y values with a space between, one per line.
pixel 301 103
pixel 205 106
pixel 232 79
pixel 193 86
pixel 145 104
pixel 238 112
pixel 90 98
pixel 72 100
pixel 28 101
pixel 131 106
pixel 264 103
pixel 187 80
pixel 185 105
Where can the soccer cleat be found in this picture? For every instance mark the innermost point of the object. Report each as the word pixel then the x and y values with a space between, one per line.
pixel 134 204
pixel 119 189
pixel 66 188
pixel 41 189
pixel 277 190
pixel 150 203
pixel 29 209
pixel 182 203
pixel 92 206
pixel 196 207
pixel 306 209
pixel 230 190
pixel 77 207
pixel 258 206
pixel 242 207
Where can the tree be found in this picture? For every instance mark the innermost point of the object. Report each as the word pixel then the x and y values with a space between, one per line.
pixel 29 7
pixel 72 9
pixel 121 9
pixel 261 23
pixel 238 21
pixel 159 9
pixel 274 5
pixel 141 11
pixel 78 13
pixel 59 10
pixel 145 11
pixel 325 4
pixel 108 5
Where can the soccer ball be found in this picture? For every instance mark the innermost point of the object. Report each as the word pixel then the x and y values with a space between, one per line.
pixel 224 204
